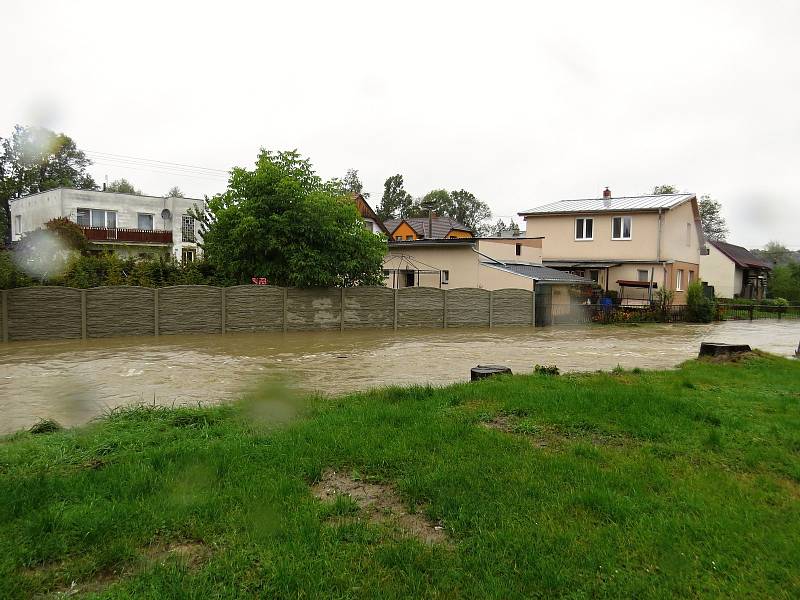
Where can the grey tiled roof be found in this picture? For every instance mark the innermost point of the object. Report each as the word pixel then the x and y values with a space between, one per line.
pixel 587 205
pixel 441 226
pixel 539 273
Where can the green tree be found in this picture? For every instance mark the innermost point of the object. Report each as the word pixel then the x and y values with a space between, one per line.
pixel 123 186
pixel 282 222
pixel 460 205
pixel 699 307
pixel 34 159
pixel 777 253
pixel 500 228
pixel 352 183
pixel 714 225
pixel 174 192
pixel 784 282
pixel 396 201
pixel 664 189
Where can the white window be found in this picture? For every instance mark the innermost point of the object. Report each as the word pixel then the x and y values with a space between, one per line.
pixel 679 281
pixel 584 228
pixel 83 217
pixel 621 228
pixel 642 275
pixel 18 224
pixel 187 229
pixel 104 218
pixel 145 221
pixel 187 255
pixel 445 276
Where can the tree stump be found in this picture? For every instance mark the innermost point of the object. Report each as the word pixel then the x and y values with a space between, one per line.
pixel 484 371
pixel 722 350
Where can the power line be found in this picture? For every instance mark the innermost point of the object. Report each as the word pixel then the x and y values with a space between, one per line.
pixel 162 171
pixel 112 156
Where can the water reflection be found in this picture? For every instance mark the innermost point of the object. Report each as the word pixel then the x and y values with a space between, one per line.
pixel 74 381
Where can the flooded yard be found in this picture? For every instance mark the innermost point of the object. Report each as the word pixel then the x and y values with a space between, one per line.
pixel 77 380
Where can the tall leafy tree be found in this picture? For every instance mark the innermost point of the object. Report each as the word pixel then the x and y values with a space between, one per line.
pixel 778 254
pixel 282 222
pixel 460 205
pixel 500 228
pixel 396 201
pixel 35 159
pixel 123 186
pixel 714 225
pixel 664 189
pixel 352 183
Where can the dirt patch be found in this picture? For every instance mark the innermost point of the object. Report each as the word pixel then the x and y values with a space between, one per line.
pixel 548 436
pixel 381 503
pixel 191 554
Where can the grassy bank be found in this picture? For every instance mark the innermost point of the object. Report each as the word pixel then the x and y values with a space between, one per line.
pixel 681 483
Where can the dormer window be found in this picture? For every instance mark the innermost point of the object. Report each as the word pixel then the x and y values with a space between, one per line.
pixel 584 228
pixel 621 228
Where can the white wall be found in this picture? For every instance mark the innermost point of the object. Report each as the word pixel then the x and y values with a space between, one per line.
pixel 720 271
pixel 38 209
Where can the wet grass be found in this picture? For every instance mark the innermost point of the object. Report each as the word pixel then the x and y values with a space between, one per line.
pixel 681 483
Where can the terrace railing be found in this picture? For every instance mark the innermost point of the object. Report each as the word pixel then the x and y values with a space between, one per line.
pixel 135 236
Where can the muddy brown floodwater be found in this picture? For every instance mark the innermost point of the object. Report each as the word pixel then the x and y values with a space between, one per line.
pixel 77 380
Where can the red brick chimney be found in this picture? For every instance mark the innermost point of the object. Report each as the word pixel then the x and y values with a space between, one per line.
pixel 606 193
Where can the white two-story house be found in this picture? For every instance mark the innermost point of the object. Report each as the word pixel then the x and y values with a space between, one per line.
pixel 631 245
pixel 126 224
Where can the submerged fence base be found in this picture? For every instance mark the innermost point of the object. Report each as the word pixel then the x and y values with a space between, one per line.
pixel 40 313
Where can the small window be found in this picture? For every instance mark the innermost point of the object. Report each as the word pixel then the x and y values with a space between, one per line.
pixel 594 275
pixel 584 228
pixel 642 275
pixel 398 238
pixel 18 224
pixel 103 218
pixel 409 238
pixel 621 228
pixel 409 278
pixel 689 235
pixel 84 219
pixel 187 255
pixel 145 222
pixel 445 276
pixel 691 278
pixel 679 281
pixel 518 249
pixel 187 228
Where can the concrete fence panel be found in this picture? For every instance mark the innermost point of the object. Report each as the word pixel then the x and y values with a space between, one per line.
pixel 253 308
pixel 468 307
pixel 420 307
pixel 368 307
pixel 189 309
pixel 315 308
pixel 44 313
pixel 512 307
pixel 118 311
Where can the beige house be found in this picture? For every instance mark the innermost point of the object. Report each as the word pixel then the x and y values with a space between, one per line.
pixel 486 263
pixel 734 271
pixel 633 245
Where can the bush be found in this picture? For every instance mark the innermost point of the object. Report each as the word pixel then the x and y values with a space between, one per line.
pixel 699 307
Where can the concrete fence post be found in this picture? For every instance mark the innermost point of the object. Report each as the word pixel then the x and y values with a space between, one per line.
pixel 155 311
pixel 4 314
pixel 223 310
pixel 395 309
pixel 83 314
pixel 285 309
pixel 341 310
pixel 444 309
pixel 491 308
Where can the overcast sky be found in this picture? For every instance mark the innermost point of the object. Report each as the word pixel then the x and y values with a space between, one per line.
pixel 520 103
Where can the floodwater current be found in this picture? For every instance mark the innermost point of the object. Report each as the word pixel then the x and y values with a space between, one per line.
pixel 74 381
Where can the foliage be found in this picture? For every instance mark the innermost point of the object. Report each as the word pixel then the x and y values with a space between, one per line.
pixel 597 486
pixel 174 192
pixel 10 275
pixel 784 282
pixel 664 189
pixel 778 254
pixel 714 225
pixel 500 228
pixel 68 232
pixel 123 186
pixel 699 307
pixel 34 160
pixel 350 184
pixel 459 205
pixel 664 299
pixel 396 202
pixel 282 222
pixel 546 369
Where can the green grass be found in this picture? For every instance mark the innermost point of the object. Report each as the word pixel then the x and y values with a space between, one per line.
pixel 682 483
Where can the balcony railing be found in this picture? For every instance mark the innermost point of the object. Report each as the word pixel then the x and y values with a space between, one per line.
pixel 140 236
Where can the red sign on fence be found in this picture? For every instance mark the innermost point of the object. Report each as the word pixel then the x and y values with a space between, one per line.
pixel 259 281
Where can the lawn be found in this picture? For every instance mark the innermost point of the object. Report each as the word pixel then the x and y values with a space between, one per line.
pixel 681 483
